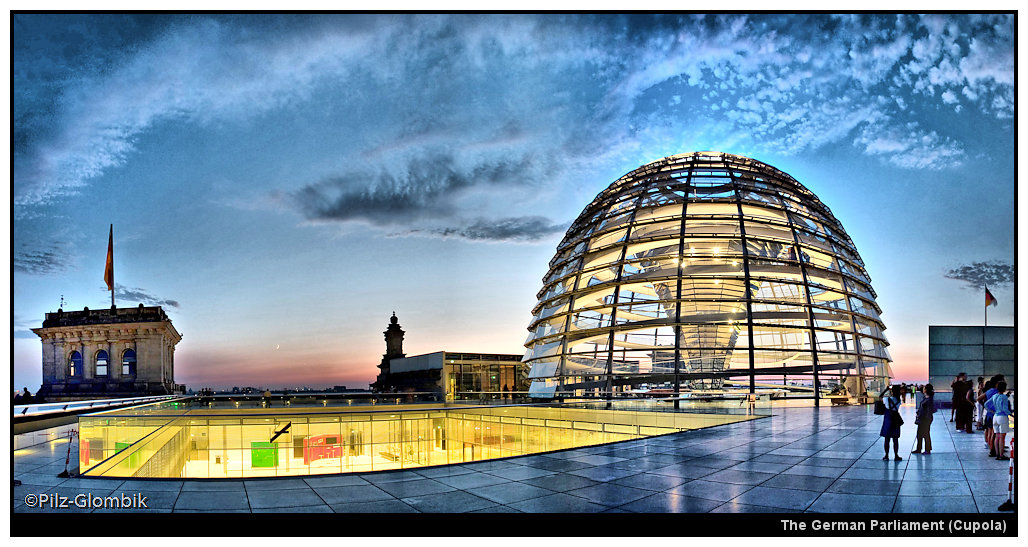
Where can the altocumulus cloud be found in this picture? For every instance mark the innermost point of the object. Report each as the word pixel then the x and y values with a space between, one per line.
pixel 979 274
pixel 50 260
pixel 474 96
pixel 141 296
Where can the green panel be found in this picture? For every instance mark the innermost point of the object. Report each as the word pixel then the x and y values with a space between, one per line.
pixel 133 459
pixel 263 454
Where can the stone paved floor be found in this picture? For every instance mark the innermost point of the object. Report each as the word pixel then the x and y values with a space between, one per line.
pixel 800 459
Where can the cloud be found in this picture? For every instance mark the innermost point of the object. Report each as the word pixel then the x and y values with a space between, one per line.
pixel 425 187
pixel 140 295
pixel 565 91
pixel 51 260
pixel 512 229
pixel 979 274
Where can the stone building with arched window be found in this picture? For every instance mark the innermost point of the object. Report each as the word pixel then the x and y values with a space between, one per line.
pixel 116 352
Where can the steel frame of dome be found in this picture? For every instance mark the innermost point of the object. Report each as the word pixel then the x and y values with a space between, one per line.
pixel 649 286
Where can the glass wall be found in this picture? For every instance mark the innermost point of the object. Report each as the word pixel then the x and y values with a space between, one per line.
pixel 700 271
pixel 262 443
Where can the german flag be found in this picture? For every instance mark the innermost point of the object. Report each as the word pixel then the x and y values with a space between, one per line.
pixel 989 299
pixel 109 270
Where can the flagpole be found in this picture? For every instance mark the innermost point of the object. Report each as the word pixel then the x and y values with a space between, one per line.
pixel 986 307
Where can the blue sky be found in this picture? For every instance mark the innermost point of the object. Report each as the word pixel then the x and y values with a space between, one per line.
pixel 281 184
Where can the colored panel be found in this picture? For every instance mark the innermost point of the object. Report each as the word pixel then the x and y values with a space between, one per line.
pixel 263 454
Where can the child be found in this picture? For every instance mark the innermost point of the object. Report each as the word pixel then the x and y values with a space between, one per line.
pixel 1001 419
pixel 924 419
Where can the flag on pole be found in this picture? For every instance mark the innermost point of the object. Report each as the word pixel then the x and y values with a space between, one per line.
pixel 109 270
pixel 989 299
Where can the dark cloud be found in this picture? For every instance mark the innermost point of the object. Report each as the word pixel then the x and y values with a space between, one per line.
pixel 48 261
pixel 124 293
pixel 512 229
pixel 425 192
pixel 979 274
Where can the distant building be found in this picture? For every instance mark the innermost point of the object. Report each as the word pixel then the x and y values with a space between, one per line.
pixel 394 349
pixel 116 352
pixel 459 376
pixel 978 351
pixel 452 375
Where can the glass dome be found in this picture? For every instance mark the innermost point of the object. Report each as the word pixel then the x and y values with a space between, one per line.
pixel 706 272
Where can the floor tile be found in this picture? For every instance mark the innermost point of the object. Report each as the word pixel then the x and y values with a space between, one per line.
pixel 934 488
pixel 526 472
pixel 380 506
pixel 348 494
pixel 558 503
pixel 666 502
pixel 471 480
pixel 596 460
pixel 561 482
pixel 683 470
pixel 413 488
pixel 834 502
pixel 739 477
pixel 444 471
pixel 710 490
pixel 263 499
pixel 761 467
pixel 799 482
pixel 651 481
pixel 304 509
pixel 390 476
pixel 340 480
pixel 602 473
pixel 274 484
pixel 558 465
pixel 868 487
pixel 610 494
pixel 509 492
pixel 457 501
pixel 214 501
pixel 934 504
pixel 778 497
pixel 213 486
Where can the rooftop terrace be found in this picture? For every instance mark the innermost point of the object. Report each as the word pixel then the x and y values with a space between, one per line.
pixel 802 459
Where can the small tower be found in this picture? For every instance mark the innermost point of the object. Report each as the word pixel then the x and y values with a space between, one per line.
pixel 394 350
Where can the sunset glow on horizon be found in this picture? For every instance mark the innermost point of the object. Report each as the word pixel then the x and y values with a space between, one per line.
pixel 280 184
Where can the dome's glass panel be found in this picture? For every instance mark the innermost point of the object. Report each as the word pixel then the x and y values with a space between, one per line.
pixel 706 271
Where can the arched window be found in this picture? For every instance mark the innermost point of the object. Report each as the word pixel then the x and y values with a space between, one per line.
pixel 128 363
pixel 75 364
pixel 101 363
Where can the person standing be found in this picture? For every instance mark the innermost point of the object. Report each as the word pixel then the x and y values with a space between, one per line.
pixel 953 389
pixel 980 404
pixel 924 419
pixel 1001 420
pixel 891 421
pixel 965 410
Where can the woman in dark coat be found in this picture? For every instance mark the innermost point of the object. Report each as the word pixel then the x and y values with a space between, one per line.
pixel 891 422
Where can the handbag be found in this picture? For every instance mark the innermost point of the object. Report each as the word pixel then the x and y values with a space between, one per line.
pixel 896 418
pixel 879 407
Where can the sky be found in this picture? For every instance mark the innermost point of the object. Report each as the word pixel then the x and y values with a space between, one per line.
pixel 281 184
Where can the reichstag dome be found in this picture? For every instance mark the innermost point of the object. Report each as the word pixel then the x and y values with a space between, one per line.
pixel 706 273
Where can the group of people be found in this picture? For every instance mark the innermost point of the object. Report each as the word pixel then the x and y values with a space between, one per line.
pixel 990 399
pixel 24 397
pixel 993 405
pixel 892 421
